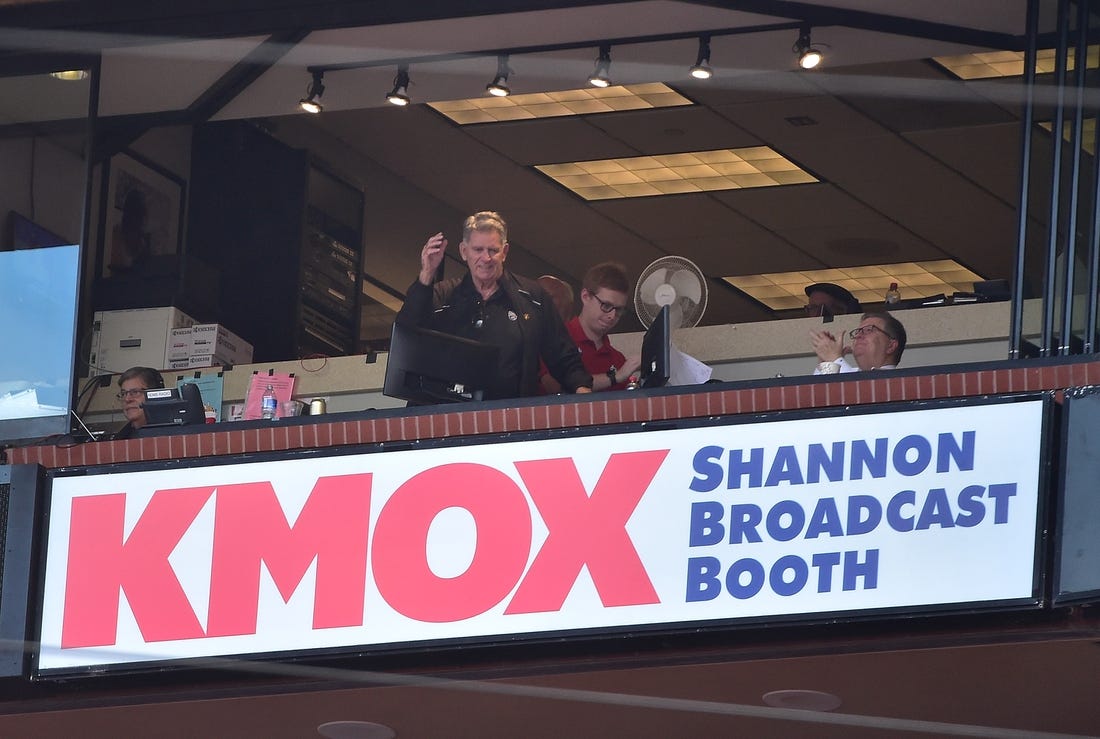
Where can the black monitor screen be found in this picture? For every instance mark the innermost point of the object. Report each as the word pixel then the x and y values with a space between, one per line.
pixel 427 366
pixel 38 302
pixel 655 351
pixel 169 406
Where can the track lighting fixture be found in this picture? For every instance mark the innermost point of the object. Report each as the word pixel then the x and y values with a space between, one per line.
pixel 399 95
pixel 499 85
pixel 601 75
pixel 702 70
pixel 311 103
pixel 808 56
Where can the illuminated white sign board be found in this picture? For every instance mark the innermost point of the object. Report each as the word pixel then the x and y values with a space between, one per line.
pixel 823 515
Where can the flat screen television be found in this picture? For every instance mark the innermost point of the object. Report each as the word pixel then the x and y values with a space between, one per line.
pixel 426 367
pixel 169 406
pixel 656 352
pixel 38 309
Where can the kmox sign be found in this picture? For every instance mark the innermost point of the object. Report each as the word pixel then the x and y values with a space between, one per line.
pixel 907 509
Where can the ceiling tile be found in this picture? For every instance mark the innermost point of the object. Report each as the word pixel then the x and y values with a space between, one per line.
pixel 876 242
pixel 987 155
pixel 820 204
pixel 912 95
pixel 696 215
pixel 775 122
pixel 744 253
pixel 550 141
pixel 572 239
pixel 670 130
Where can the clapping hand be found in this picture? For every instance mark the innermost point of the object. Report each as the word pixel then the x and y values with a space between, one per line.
pixel 828 347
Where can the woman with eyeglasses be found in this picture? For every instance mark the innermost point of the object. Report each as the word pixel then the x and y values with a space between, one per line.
pixel 494 306
pixel 877 344
pixel 132 385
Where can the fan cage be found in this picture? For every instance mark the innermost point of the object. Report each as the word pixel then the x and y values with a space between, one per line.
pixel 647 311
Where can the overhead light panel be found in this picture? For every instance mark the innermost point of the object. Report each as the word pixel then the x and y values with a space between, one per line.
pixel 311 103
pixel 674 174
pixel 601 75
pixel 555 104
pixel 70 75
pixel 702 70
pixel 399 95
pixel 499 86
pixel 984 65
pixel 786 290
pixel 809 56
pixel 1088 133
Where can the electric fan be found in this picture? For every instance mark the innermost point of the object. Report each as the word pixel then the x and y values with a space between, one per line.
pixel 676 282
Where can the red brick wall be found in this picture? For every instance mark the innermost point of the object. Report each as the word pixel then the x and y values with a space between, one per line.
pixel 452 422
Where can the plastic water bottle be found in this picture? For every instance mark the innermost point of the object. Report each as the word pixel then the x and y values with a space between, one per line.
pixel 268 404
pixel 892 295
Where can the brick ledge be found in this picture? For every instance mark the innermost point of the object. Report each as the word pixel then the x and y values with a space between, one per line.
pixel 448 423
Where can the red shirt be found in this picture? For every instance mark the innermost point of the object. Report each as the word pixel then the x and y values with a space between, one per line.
pixel 597 361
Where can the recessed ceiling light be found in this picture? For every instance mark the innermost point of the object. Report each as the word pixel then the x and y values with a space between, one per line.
pixel 584 101
pixel 989 64
pixel 355 730
pixel 70 75
pixel 868 283
pixel 805 700
pixel 1088 132
pixel 670 174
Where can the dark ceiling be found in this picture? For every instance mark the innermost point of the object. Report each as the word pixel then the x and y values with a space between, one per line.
pixel 897 183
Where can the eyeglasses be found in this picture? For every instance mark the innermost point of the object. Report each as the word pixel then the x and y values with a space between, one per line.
pixel 607 307
pixel 870 328
pixel 124 394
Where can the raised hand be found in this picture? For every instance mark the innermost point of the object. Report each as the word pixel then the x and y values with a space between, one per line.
pixel 430 257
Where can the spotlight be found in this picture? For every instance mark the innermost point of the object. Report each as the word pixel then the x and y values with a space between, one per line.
pixel 399 95
pixel 499 85
pixel 600 76
pixel 702 70
pixel 311 103
pixel 808 56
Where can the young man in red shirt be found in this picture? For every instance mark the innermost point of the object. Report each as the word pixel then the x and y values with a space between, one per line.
pixel 604 300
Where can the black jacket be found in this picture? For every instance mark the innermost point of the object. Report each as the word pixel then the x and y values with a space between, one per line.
pixel 452 305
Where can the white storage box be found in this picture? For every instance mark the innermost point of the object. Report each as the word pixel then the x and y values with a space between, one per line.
pixel 179 346
pixel 208 360
pixel 219 343
pixel 137 337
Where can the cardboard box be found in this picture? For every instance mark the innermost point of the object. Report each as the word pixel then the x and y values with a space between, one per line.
pixel 180 346
pixel 217 341
pixel 198 361
pixel 137 337
pixel 208 360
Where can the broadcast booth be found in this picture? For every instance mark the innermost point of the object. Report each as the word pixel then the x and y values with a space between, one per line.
pixel 806 518
pixel 674 560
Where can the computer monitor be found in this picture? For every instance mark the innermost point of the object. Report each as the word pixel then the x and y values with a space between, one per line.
pixel 426 366
pixel 38 305
pixel 169 406
pixel 656 354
